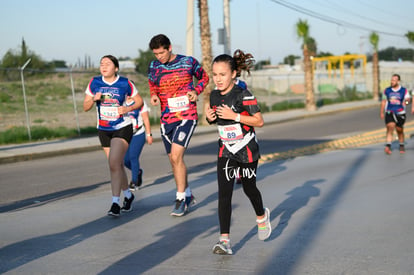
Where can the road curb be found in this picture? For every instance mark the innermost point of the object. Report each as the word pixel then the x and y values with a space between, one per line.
pixel 338 144
pixel 199 131
pixel 33 156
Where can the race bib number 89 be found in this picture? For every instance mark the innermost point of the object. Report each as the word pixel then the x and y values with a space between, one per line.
pixel 230 133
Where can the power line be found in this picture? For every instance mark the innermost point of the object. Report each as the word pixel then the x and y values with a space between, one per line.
pixel 330 19
pixel 336 6
pixel 386 12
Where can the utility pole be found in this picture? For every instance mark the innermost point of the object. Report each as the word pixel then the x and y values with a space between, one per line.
pixel 190 28
pixel 226 19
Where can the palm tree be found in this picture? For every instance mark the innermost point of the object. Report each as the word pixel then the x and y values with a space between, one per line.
pixel 410 37
pixel 374 39
pixel 302 31
pixel 206 51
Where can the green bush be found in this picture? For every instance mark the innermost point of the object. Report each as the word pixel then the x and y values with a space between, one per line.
pixel 350 93
pixel 4 97
pixel 263 107
pixel 14 135
pixel 40 120
pixel 154 120
pixel 287 105
pixel 326 101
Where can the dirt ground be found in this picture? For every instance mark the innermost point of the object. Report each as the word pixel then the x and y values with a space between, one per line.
pixel 49 118
pixel 70 119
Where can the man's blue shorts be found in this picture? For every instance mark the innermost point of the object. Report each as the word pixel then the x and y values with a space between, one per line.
pixel 179 132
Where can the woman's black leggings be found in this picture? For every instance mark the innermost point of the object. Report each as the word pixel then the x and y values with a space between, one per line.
pixel 227 170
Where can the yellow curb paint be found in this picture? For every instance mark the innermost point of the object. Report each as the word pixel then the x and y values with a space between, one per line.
pixel 371 137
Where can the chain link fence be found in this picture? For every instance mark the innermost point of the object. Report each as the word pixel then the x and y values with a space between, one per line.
pixel 55 98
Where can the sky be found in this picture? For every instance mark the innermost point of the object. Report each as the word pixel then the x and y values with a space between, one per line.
pixel 71 30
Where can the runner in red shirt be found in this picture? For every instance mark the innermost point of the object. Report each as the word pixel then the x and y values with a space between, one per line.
pixel 170 79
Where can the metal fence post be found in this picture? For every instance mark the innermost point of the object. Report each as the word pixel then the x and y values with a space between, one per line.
pixel 74 101
pixel 24 99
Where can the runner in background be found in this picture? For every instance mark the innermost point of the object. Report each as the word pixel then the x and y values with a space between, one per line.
pixel 392 111
pixel 142 132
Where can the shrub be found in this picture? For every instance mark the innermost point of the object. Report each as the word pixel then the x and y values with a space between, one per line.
pixel 4 97
pixel 287 105
pixel 20 135
pixel 263 107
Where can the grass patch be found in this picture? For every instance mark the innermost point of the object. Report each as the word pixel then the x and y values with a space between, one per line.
pixel 40 120
pixel 16 135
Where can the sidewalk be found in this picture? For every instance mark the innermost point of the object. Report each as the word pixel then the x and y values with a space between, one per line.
pixel 36 150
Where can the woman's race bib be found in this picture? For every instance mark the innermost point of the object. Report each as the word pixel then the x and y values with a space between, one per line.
pixel 230 133
pixel 109 113
pixel 178 104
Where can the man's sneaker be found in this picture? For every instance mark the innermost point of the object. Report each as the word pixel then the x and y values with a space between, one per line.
pixel 179 208
pixel 128 204
pixel 190 201
pixel 222 247
pixel 132 186
pixel 114 211
pixel 139 182
pixel 387 150
pixel 264 228
pixel 402 149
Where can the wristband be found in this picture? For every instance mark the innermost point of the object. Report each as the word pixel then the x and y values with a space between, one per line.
pixel 237 119
pixel 149 135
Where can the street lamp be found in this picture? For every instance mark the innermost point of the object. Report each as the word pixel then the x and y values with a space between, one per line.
pixel 24 98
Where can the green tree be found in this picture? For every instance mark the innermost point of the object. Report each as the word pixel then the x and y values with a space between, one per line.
pixel 14 59
pixel 290 59
pixel 394 54
pixel 323 54
pixel 374 40
pixel 58 64
pixel 308 48
pixel 143 61
pixel 259 65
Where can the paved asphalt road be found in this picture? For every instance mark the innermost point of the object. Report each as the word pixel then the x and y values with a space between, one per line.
pixel 337 212
pixel 51 178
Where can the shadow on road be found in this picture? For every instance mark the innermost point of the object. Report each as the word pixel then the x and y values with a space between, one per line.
pixel 283 260
pixel 298 198
pixel 44 199
pixel 172 241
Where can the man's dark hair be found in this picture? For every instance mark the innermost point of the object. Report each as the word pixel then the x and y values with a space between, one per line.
pixel 158 41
